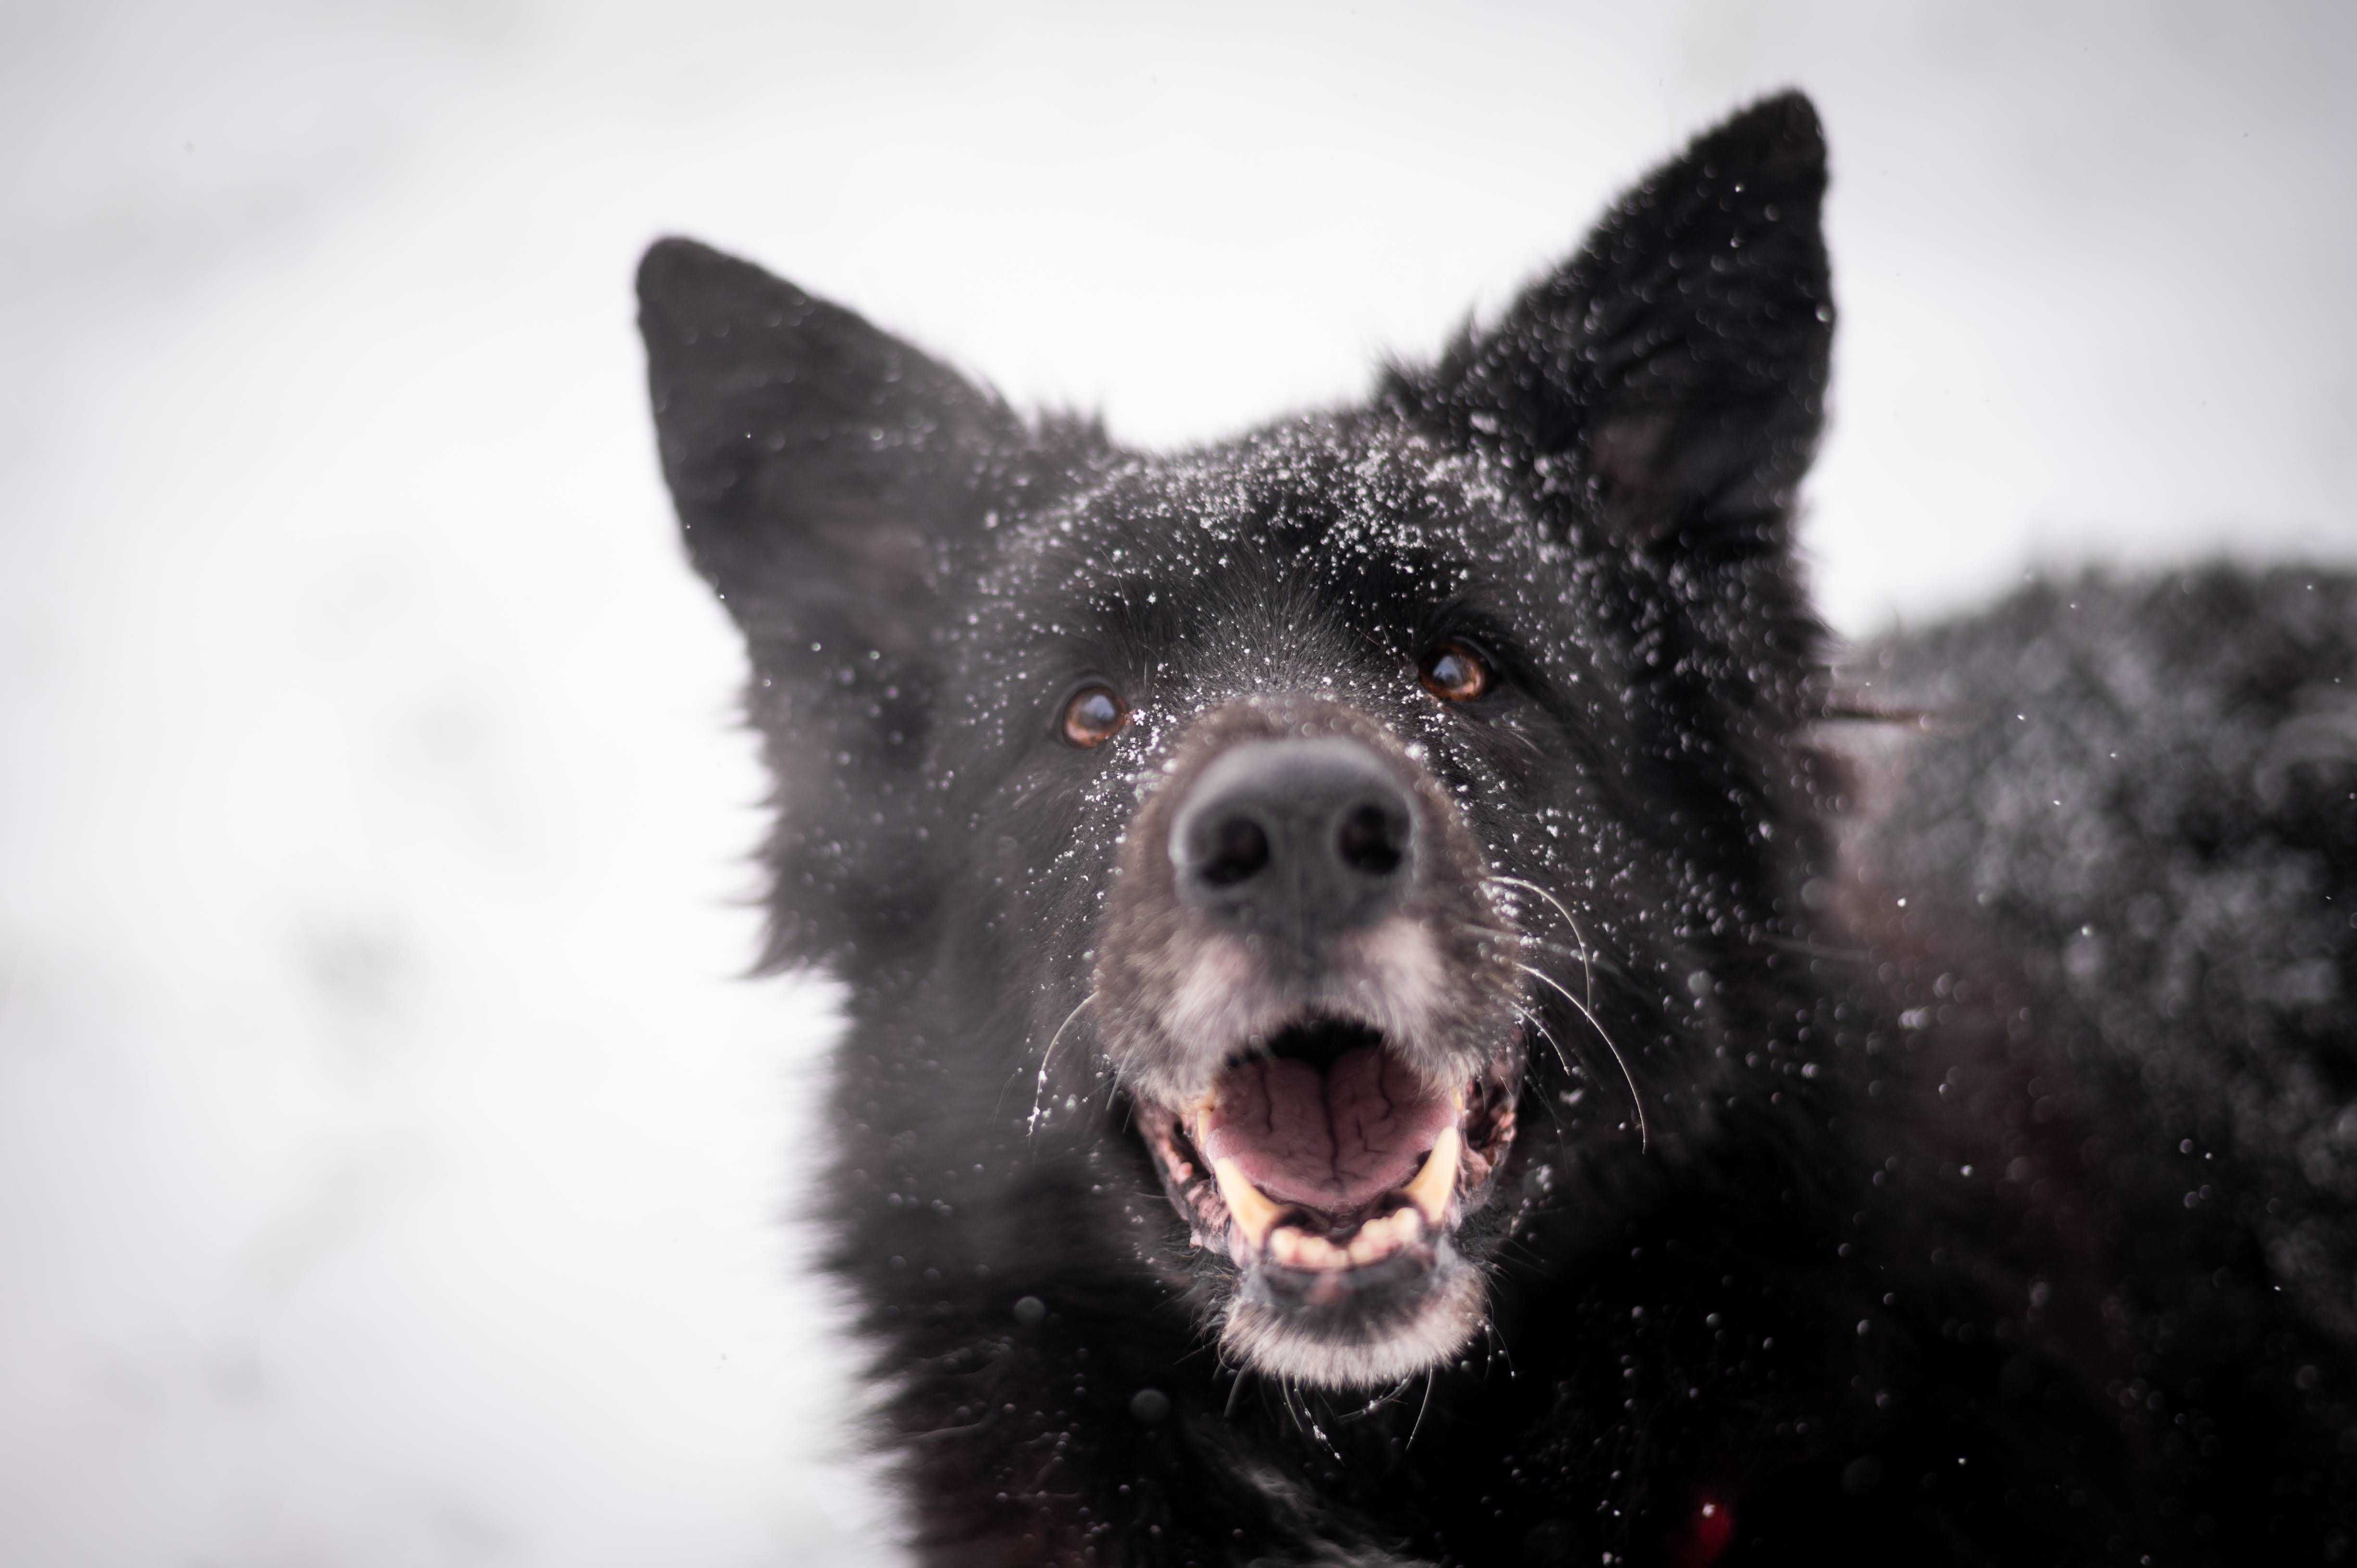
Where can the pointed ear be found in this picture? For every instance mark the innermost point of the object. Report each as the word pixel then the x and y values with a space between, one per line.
pixel 819 466
pixel 1669 380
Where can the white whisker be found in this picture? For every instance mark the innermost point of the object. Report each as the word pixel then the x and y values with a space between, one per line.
pixel 1636 1100
pixel 1039 1089
pixel 1417 1426
pixel 1532 1019
pixel 1586 959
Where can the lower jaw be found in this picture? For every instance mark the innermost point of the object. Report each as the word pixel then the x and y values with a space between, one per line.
pixel 1364 1327
pixel 1365 1330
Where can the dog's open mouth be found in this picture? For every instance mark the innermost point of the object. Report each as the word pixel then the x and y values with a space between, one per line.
pixel 1324 1165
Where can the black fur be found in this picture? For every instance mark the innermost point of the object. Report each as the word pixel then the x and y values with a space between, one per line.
pixel 1831 1230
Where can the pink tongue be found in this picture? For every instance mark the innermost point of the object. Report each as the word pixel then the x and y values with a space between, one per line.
pixel 1333 1142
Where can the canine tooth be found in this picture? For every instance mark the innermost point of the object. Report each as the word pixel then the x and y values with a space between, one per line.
pixel 1436 1184
pixel 1248 1205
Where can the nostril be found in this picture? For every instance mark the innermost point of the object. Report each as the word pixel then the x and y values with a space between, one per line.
pixel 1238 852
pixel 1371 840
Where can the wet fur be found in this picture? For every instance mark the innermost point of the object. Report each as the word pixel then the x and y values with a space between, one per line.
pixel 1779 1297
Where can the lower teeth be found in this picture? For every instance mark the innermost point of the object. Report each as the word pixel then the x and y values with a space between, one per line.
pixel 1260 1220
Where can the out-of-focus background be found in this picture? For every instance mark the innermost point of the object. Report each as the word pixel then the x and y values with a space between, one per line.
pixel 390 1171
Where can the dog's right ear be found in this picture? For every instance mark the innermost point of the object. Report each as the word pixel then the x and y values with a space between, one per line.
pixel 821 468
pixel 828 478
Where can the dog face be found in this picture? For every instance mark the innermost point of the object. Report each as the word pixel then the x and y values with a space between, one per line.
pixel 1349 837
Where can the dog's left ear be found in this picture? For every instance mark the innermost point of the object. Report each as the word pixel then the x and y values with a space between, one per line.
pixel 1669 380
pixel 822 468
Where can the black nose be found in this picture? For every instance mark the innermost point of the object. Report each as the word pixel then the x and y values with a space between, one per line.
pixel 1298 839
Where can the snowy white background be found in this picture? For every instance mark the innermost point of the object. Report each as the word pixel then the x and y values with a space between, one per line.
pixel 391 1172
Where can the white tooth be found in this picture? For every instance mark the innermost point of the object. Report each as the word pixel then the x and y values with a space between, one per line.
pixel 1248 1205
pixel 1393 1231
pixel 1376 1239
pixel 1294 1248
pixel 1436 1184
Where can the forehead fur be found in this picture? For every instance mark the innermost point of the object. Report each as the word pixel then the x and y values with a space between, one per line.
pixel 1356 522
pixel 1364 487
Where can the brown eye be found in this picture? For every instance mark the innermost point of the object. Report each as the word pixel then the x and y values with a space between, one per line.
pixel 1456 672
pixel 1094 714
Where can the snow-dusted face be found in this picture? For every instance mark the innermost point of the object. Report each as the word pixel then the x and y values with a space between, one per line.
pixel 1303 741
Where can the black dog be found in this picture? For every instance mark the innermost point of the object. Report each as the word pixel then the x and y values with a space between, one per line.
pixel 1379 1035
